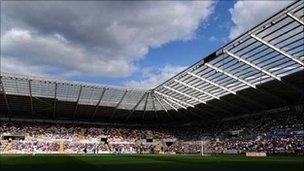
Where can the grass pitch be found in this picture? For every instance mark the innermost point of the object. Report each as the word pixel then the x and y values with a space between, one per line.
pixel 148 163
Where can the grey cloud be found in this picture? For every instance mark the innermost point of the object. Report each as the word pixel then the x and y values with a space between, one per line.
pixel 95 37
pixel 246 14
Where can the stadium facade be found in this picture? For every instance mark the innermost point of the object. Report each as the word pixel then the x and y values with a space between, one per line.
pixel 260 70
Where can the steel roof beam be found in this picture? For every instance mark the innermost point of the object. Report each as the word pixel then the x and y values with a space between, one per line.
pixel 134 108
pixel 145 106
pixel 197 89
pixel 99 101
pixel 31 97
pixel 229 75
pixel 295 18
pixel 5 98
pixel 184 107
pixel 153 102
pixel 277 49
pixel 211 82
pixel 117 105
pixel 175 100
pixel 238 79
pixel 167 112
pixel 77 102
pixel 170 104
pixel 142 97
pixel 162 105
pixel 185 84
pixel 166 101
pixel 252 65
pixel 153 105
pixel 146 101
pixel 184 94
pixel 55 97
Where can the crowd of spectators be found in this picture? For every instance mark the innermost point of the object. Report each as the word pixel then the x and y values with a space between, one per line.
pixel 33 146
pixel 277 132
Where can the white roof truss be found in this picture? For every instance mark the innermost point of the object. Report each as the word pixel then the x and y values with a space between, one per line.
pixel 252 65
pixel 184 94
pixel 277 49
pixel 229 75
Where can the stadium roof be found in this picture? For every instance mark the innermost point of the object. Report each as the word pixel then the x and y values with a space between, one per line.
pixel 267 52
pixel 263 56
pixel 81 93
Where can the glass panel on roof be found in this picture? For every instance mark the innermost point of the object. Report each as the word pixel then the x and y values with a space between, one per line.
pixel 90 95
pixel 112 97
pixel 67 92
pixel 43 89
pixel 16 86
pixel 131 98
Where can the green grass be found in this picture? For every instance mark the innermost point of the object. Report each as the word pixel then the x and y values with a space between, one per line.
pixel 148 162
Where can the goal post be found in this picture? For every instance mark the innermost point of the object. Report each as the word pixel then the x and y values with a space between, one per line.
pixel 204 145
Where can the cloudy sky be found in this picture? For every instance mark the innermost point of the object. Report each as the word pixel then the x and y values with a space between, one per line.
pixel 133 44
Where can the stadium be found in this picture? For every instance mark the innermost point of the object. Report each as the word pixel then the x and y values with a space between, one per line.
pixel 240 107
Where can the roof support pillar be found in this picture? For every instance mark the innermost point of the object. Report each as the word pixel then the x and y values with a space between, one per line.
pixel 98 103
pixel 116 107
pixel 55 99
pixel 134 108
pixel 31 96
pixel 153 105
pixel 77 102
pixel 5 98
pixel 153 102
pixel 145 106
